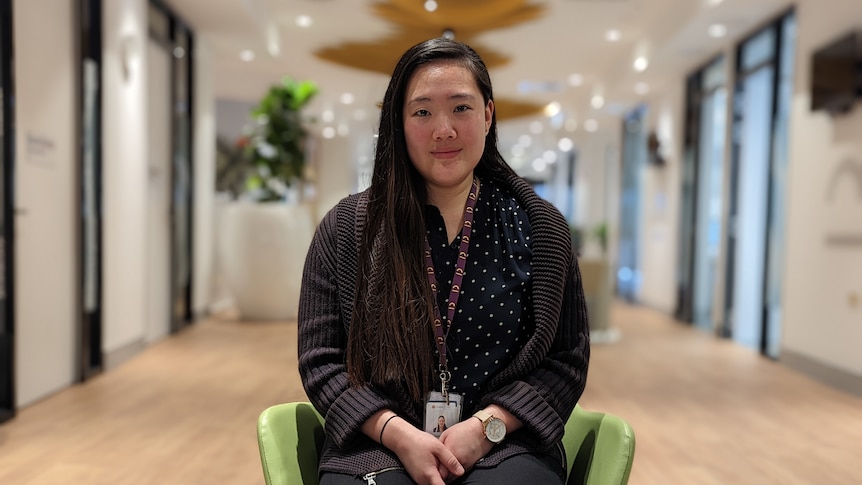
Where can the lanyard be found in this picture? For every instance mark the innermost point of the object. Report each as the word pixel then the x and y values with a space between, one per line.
pixel 455 292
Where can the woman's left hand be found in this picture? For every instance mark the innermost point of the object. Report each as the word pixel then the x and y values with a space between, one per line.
pixel 466 440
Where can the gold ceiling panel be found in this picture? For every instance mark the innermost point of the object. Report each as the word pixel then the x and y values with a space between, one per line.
pixel 413 24
pixel 466 19
pixel 381 55
pixel 508 109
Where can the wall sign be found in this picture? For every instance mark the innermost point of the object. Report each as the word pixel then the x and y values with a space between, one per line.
pixel 41 150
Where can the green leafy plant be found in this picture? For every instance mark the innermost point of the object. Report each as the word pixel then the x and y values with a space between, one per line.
pixel 581 236
pixel 600 232
pixel 276 148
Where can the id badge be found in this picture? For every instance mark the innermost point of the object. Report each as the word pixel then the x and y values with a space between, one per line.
pixel 439 414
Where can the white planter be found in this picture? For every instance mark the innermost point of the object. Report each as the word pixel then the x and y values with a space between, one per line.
pixel 262 250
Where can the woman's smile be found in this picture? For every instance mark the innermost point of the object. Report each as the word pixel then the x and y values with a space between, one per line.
pixel 446 153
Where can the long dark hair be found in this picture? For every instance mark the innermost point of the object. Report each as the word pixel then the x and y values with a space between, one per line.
pixel 390 340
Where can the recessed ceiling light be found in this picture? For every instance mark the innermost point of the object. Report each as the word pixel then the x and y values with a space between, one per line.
pixel 713 3
pixel 304 21
pixel 430 6
pixel 576 79
pixel 539 165
pixel 549 156
pixel 641 88
pixel 717 30
pixel 328 116
pixel 328 132
pixel 597 102
pixel 347 98
pixel 641 63
pixel 552 109
pixel 247 55
pixel 613 35
pixel 565 144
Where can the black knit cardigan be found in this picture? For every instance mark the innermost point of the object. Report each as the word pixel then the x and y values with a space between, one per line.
pixel 540 386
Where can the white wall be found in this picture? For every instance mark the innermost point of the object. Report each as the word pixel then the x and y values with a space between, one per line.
pixel 597 184
pixel 660 196
pixel 822 281
pixel 334 165
pixel 124 135
pixel 45 198
pixel 232 117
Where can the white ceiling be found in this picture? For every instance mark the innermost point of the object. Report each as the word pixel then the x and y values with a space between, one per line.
pixel 569 38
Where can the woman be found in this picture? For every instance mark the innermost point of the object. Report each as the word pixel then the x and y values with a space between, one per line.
pixel 447 285
pixel 441 425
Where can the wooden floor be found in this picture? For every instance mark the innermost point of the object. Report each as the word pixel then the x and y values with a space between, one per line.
pixel 704 410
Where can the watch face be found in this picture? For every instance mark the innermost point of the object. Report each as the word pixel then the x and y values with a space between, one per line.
pixel 496 430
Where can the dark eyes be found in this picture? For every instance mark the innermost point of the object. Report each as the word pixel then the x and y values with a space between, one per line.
pixel 458 109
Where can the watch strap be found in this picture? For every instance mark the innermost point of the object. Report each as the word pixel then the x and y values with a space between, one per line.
pixel 483 416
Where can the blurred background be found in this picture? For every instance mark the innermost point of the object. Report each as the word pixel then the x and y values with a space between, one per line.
pixel 706 154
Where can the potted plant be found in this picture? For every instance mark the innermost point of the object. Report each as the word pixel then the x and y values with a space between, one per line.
pixel 265 233
pixel 277 147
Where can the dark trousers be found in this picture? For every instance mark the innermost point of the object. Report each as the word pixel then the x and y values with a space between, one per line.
pixel 518 469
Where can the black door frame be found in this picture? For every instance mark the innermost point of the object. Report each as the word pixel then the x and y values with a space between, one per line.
pixel 90 356
pixel 687 237
pixel 7 242
pixel 684 310
pixel 180 292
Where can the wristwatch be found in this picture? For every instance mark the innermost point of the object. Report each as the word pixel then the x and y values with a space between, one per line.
pixel 494 427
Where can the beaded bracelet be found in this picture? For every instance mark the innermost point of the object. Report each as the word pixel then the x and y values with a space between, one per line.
pixel 384 427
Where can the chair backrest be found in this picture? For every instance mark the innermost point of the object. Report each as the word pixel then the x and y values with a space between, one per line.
pixel 600 448
pixel 290 437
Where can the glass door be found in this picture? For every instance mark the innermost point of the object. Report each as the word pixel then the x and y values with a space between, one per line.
pixel 750 215
pixel 176 38
pixel 773 287
pixel 758 181
pixel 633 161
pixel 702 194
pixel 710 187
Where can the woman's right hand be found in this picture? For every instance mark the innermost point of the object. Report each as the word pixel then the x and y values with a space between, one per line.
pixel 427 460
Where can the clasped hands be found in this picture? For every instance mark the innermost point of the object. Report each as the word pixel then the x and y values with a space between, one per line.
pixel 432 461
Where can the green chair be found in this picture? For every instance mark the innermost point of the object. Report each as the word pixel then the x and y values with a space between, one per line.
pixel 600 447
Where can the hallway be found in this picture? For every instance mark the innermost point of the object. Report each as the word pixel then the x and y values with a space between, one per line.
pixel 705 411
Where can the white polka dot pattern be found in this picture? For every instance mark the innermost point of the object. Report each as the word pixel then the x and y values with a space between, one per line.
pixel 494 317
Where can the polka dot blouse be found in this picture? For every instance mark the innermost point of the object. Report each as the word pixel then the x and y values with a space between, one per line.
pixel 493 319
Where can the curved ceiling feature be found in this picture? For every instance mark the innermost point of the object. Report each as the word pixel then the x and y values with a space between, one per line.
pixel 381 55
pixel 466 19
pixel 508 109
pixel 413 24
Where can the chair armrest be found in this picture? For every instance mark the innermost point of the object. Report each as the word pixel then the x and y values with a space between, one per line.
pixel 290 437
pixel 599 448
